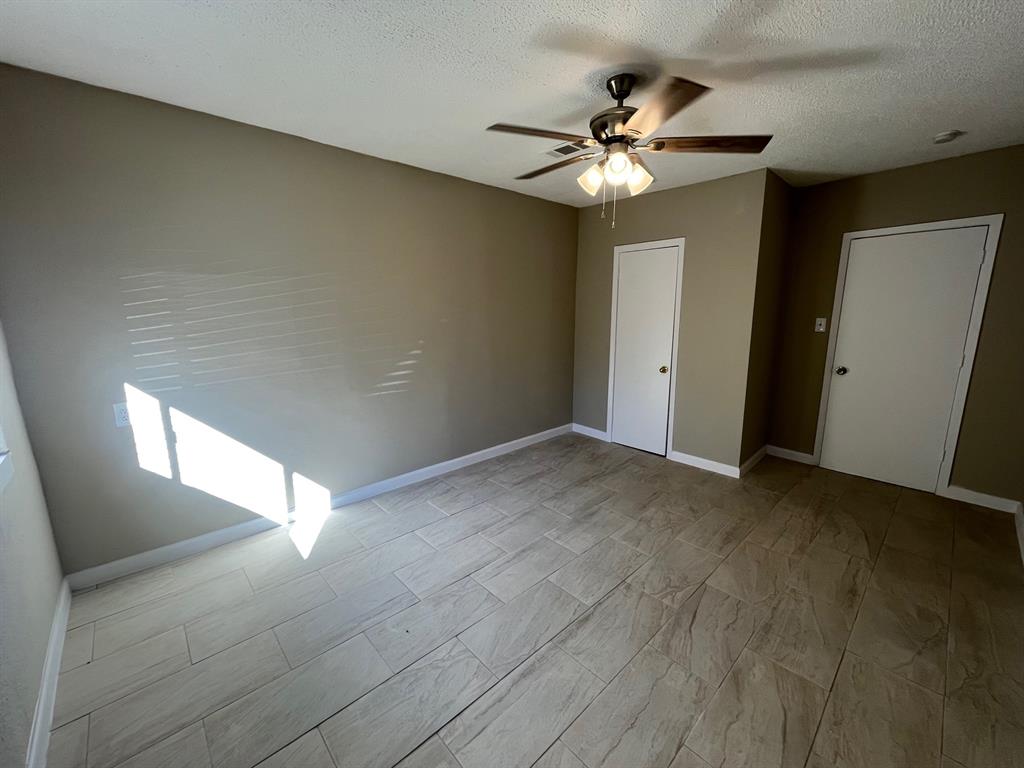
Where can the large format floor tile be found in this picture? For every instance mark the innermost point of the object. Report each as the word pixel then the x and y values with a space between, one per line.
pixel 597 572
pixel 516 721
pixel 137 721
pixel 517 572
pixel 329 624
pixel 461 525
pixel 308 751
pixel 675 572
pixel 875 719
pixel 77 647
pixel 121 595
pixel 642 717
pixel 513 632
pixel 416 631
pixel 272 716
pixel 437 570
pixel 763 715
pixel 606 637
pixel 518 530
pixel 184 749
pixel 360 568
pixel 832 576
pixel 574 604
pixel 334 543
pixel 89 687
pixel 232 624
pixel 136 624
pixel 392 720
pixel 804 634
pixel 753 574
pixel 431 754
pixel 902 637
pixel 917 579
pixel 707 633
pixel 68 745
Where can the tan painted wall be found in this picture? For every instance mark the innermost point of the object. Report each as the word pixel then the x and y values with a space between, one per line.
pixel 30 578
pixel 764 337
pixel 989 457
pixel 474 283
pixel 721 221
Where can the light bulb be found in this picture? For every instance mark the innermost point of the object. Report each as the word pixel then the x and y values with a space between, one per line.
pixel 591 179
pixel 617 168
pixel 639 179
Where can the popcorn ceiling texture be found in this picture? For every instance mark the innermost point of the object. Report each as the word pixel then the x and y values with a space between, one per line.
pixel 846 87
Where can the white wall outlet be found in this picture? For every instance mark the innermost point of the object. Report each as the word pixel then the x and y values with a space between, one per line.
pixel 820 323
pixel 121 415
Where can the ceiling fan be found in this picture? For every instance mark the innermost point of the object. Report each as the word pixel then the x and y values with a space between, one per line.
pixel 622 133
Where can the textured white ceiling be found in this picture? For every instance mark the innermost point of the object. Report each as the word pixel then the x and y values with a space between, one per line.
pixel 846 87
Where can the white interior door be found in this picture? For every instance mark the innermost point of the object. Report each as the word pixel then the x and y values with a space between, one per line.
pixel 646 290
pixel 903 324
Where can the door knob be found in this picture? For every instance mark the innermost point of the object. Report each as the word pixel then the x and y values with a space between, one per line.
pixel 663 369
pixel 842 370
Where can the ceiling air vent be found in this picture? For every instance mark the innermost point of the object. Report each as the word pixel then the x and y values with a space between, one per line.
pixel 567 150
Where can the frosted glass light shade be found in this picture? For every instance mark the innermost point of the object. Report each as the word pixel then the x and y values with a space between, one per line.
pixel 591 179
pixel 639 179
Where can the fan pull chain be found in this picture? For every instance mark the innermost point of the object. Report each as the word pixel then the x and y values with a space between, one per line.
pixel 604 196
pixel 615 197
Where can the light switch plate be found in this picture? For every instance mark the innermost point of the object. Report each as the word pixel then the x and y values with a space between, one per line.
pixel 819 324
pixel 121 415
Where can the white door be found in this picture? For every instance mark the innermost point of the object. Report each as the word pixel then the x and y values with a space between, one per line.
pixel 903 325
pixel 646 289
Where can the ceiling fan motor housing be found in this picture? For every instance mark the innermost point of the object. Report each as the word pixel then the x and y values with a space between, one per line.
pixel 609 125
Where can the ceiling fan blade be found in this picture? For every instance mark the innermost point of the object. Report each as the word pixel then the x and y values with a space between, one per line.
pixel 560 164
pixel 676 94
pixel 542 133
pixel 640 161
pixel 749 144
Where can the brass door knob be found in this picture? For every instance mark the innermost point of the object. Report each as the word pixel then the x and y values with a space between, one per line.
pixel 663 369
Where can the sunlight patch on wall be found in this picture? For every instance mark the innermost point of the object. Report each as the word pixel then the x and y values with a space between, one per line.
pixel 148 431
pixel 221 466
pixel 312 507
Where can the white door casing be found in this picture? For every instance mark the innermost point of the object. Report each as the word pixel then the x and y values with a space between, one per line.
pixel 645 312
pixel 908 309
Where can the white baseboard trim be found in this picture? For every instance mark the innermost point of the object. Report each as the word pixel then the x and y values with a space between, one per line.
pixel 42 718
pixel 418 475
pixel 99 574
pixel 597 434
pixel 181 549
pixel 754 460
pixel 980 499
pixel 786 453
pixel 712 466
pixel 1019 522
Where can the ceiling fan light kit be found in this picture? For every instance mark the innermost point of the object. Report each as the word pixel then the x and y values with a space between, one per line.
pixel 620 133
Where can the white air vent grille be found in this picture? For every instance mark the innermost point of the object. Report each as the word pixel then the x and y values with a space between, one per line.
pixel 568 150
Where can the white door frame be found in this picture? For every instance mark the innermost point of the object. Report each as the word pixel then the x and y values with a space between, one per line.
pixel 994 223
pixel 618 251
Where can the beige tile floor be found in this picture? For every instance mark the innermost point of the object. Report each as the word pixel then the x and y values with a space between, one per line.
pixel 571 604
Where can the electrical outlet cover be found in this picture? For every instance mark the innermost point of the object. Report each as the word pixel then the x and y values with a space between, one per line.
pixel 121 415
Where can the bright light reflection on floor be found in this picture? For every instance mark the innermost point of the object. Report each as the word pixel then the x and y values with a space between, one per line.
pixel 148 431
pixel 221 466
pixel 312 506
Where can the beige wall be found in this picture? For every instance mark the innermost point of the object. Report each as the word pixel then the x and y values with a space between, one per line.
pixel 721 221
pixel 105 192
pixel 764 337
pixel 989 457
pixel 30 578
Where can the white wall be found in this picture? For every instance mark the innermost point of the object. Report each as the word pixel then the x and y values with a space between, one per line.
pixel 30 578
